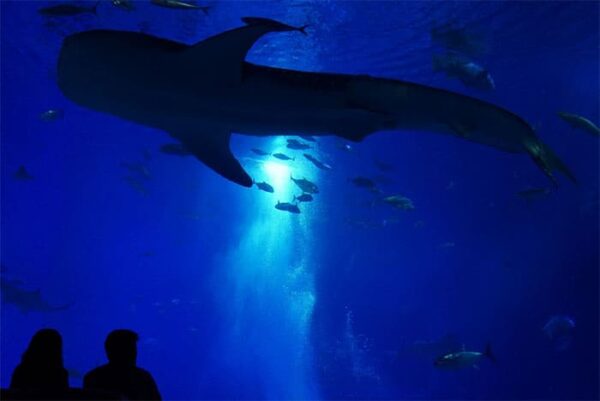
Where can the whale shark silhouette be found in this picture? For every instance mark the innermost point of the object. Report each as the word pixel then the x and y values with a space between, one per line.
pixel 202 93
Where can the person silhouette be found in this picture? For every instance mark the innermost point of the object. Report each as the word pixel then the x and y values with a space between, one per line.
pixel 41 369
pixel 121 375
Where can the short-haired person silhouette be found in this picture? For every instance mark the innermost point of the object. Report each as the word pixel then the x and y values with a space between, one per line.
pixel 121 375
pixel 41 369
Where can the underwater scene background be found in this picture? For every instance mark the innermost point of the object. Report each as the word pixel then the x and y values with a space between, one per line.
pixel 352 298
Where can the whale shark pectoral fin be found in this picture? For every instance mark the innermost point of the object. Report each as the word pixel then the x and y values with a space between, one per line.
pixel 221 57
pixel 212 149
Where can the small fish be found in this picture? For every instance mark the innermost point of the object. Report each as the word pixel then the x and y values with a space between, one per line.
pixel 305 185
pixel 67 10
pixel 282 156
pixel 273 24
pixel 259 152
pixel 22 174
pixel 180 5
pixel 345 147
pixel 308 138
pixel 263 186
pixel 363 182
pixel 463 359
pixel 399 202
pixel 123 5
pixel 176 149
pixel 297 145
pixel 317 163
pixel 304 198
pixel 287 207
pixel 580 122
pixel 51 115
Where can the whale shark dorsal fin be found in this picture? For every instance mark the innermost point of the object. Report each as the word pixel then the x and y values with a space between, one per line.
pixel 221 57
pixel 212 149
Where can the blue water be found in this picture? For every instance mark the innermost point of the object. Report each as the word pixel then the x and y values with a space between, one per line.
pixel 235 299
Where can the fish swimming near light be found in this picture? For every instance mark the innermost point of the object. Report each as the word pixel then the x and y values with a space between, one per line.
pixel 68 10
pixel 263 186
pixel 202 93
pixel 259 152
pixel 308 138
pixel 26 300
pixel 287 207
pixel 306 186
pixel 297 145
pixel 467 71
pixel 22 174
pixel 317 162
pixel 283 156
pixel 580 122
pixel 176 149
pixel 180 5
pixel 304 198
pixel 463 359
pixel 51 115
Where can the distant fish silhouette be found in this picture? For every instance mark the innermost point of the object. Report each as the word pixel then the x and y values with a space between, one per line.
pixel 67 10
pixel 26 301
pixel 51 115
pixel 22 174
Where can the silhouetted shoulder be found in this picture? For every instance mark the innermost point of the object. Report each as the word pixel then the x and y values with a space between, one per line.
pixel 147 384
pixel 94 378
pixel 32 378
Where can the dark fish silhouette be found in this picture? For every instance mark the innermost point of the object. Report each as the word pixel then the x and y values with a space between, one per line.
pixel 282 156
pixel 305 185
pixel 180 5
pixel 304 198
pixel 287 207
pixel 67 10
pixel 363 182
pixel 22 174
pixel 297 145
pixel 316 162
pixel 259 152
pixel 25 300
pixel 51 115
pixel 263 186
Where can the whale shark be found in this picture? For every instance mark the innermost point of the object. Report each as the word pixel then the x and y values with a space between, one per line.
pixel 200 94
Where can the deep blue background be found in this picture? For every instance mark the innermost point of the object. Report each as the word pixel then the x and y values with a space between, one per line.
pixel 234 299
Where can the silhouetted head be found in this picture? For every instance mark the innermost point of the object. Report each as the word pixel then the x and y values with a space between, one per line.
pixel 45 349
pixel 121 347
